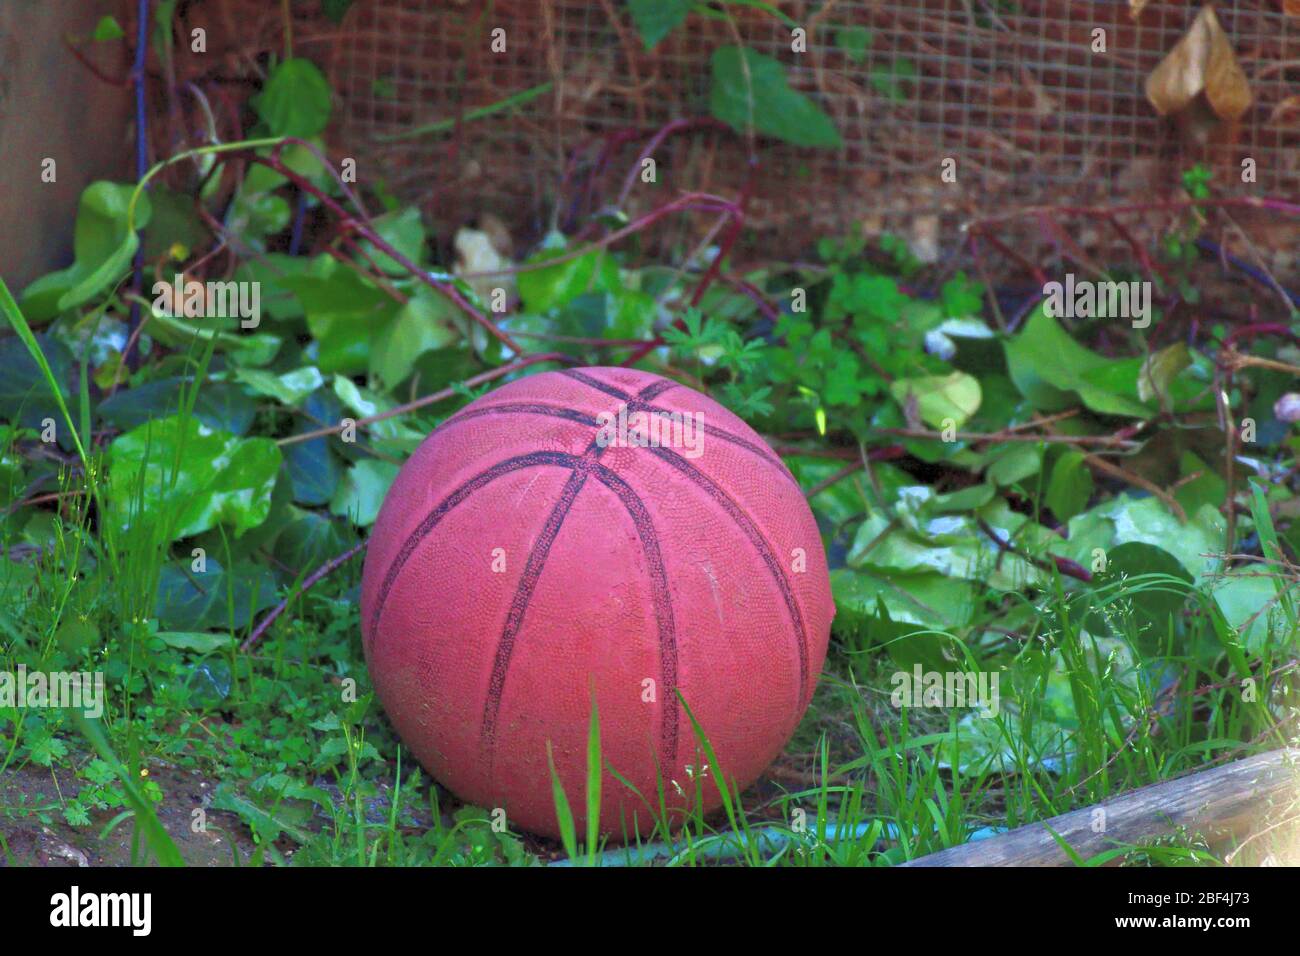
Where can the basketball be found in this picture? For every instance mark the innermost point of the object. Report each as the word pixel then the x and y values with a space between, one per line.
pixel 595 534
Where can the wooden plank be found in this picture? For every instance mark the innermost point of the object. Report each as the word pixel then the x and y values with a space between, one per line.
pixel 1220 802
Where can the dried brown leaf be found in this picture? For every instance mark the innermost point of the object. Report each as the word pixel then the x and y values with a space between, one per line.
pixel 1202 62
pixel 1226 86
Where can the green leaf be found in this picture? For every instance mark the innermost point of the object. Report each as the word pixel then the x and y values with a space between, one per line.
pixel 243 348
pixel 854 41
pixel 191 475
pixel 362 491
pixel 200 642
pixel 1126 518
pixel 1047 365
pixel 1070 486
pixel 218 405
pixel 390 434
pixel 908 617
pixel 940 397
pixel 1155 599
pixel 655 19
pixel 25 395
pixel 287 388
pixel 295 100
pixel 335 9
pixel 107 29
pixel 215 598
pixel 1249 604
pixel 750 89
pixel 102 248
pixel 310 540
pixel 894 81
pixel 1207 488
pixel 344 312
pixel 554 286
pixel 1022 460
pixel 1160 369
pixel 404 231
pixel 967 499
pixel 425 323
pixel 314 470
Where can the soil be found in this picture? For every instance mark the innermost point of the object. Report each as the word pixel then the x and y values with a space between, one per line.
pixel 33 841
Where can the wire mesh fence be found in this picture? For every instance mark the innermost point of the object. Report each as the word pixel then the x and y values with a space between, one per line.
pixel 1018 93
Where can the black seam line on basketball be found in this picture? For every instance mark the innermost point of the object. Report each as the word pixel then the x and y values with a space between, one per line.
pixel 530 460
pixel 636 403
pixel 654 390
pixel 760 544
pixel 661 597
pixel 595 383
pixel 523 595
pixel 525 408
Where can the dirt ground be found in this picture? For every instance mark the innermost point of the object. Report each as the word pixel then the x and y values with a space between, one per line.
pixel 223 841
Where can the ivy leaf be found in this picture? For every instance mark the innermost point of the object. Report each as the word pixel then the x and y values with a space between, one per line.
pixel 313 468
pixel 295 100
pixel 218 405
pixel 939 397
pixel 191 601
pixel 24 393
pixel 402 230
pixel 751 89
pixel 287 388
pixel 554 286
pixel 344 312
pixel 423 324
pixel 335 9
pixel 190 474
pixel 310 540
pixel 362 490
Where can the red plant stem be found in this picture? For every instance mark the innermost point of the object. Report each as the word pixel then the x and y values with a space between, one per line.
pixel 95 71
pixel 324 570
pixel 657 140
pixel 1257 329
pixel 446 289
pixel 691 201
pixel 1039 275
pixel 755 294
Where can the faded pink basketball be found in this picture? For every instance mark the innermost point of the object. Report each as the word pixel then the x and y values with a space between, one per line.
pixel 540 547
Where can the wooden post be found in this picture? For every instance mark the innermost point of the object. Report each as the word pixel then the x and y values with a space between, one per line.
pixel 1221 802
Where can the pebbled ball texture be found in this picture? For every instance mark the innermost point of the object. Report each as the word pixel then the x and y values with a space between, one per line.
pixel 519 565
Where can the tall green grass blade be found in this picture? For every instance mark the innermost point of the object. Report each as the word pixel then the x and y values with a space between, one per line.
pixel 146 820
pixel 563 813
pixel 593 783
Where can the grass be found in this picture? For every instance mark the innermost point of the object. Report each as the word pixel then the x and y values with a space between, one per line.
pixel 305 761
